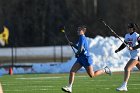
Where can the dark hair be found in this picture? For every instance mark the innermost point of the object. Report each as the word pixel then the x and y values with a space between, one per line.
pixel 82 27
pixel 131 25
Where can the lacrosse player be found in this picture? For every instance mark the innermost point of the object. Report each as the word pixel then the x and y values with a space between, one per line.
pixel 83 60
pixel 132 38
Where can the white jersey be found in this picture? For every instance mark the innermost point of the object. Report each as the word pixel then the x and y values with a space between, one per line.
pixel 132 40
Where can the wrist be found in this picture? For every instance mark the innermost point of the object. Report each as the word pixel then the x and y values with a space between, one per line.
pixel 116 50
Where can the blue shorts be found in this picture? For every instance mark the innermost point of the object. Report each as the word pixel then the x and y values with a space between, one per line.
pixel 84 61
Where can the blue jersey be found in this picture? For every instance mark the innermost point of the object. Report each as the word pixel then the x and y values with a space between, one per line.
pixel 84 59
pixel 83 46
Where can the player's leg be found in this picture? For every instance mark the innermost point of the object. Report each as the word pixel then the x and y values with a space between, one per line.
pixel 73 70
pixel 91 72
pixel 128 68
pixel 87 63
pixel 138 64
pixel 131 63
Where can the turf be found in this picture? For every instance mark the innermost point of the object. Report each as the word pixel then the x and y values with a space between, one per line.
pixel 52 83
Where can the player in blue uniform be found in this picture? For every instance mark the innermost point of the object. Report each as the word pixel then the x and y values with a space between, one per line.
pixel 83 59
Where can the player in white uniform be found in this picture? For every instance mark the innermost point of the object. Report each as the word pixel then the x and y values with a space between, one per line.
pixel 133 40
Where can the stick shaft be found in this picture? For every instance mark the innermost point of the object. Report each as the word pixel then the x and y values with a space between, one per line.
pixel 114 33
pixel 69 42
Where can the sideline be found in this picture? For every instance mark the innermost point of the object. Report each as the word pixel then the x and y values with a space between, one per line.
pixel 1 91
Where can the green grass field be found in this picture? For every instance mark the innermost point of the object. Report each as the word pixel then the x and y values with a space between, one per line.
pixel 52 83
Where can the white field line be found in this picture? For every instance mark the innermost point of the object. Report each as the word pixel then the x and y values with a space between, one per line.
pixel 43 89
pixel 104 85
pixel 32 78
pixel 118 85
pixel 21 90
pixel 12 83
pixel 134 84
pixel 38 78
pixel 1 91
pixel 33 82
pixel 28 86
pixel 107 88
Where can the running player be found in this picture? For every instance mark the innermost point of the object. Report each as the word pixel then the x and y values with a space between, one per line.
pixel 132 38
pixel 83 59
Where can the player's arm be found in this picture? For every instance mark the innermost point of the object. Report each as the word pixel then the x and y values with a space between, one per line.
pixel 80 46
pixel 74 45
pixel 137 46
pixel 120 48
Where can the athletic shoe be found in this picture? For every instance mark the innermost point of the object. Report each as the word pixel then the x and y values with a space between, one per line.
pixel 122 88
pixel 107 70
pixel 67 89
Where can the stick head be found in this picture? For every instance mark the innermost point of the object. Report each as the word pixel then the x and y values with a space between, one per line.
pixel 103 21
pixel 100 19
pixel 63 30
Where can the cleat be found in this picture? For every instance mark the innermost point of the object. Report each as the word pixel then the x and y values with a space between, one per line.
pixel 122 88
pixel 67 89
pixel 107 70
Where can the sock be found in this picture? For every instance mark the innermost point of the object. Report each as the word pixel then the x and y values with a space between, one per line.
pixel 125 84
pixel 70 85
pixel 104 70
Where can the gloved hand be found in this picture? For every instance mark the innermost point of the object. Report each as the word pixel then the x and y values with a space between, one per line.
pixel 70 43
pixel 76 55
pixel 116 51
